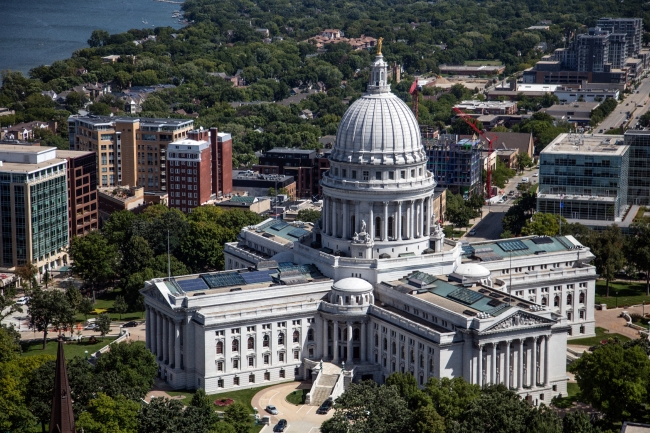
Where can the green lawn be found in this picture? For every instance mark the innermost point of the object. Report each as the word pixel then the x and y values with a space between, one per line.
pixel 242 396
pixel 106 302
pixel 297 397
pixel 567 401
pixel 601 334
pixel 483 63
pixel 621 293
pixel 71 349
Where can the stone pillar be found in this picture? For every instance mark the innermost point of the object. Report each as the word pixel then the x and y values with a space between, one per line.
pixel 159 336
pixel 506 380
pixel 165 340
pixel 147 327
pixel 493 364
pixel 409 220
pixel 533 367
pixel 371 223
pixel 151 326
pixel 323 216
pixel 324 331
pixel 364 338
pixel 335 343
pixel 421 218
pixel 357 218
pixel 177 345
pixel 398 221
pixel 170 340
pixel 520 367
pixel 480 365
pixel 335 229
pixel 546 359
pixel 346 216
pixel 384 235
pixel 349 343
pixel 427 218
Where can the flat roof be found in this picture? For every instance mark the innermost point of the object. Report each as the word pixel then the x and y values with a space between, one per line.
pixel 488 251
pixel 14 167
pixel 290 150
pixel 143 121
pixel 73 153
pixel 17 148
pixel 282 232
pixel 580 144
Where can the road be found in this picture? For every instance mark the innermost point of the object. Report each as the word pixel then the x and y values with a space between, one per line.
pixel 619 115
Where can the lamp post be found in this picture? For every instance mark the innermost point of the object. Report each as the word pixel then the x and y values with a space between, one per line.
pixel 86 353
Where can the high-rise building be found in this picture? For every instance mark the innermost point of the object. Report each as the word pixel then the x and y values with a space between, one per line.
pixel 82 191
pixel 638 192
pixel 302 164
pixel 130 151
pixel 455 163
pixel 189 173
pixel 592 51
pixel 33 207
pixel 631 27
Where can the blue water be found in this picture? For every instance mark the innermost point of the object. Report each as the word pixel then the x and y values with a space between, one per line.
pixel 38 32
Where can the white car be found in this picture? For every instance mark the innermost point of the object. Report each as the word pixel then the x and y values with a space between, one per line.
pixel 525 180
pixel 536 175
pixel 23 301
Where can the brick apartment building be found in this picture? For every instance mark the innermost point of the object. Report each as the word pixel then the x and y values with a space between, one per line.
pixel 306 167
pixel 82 191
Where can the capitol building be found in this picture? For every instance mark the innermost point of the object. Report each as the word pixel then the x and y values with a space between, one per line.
pixel 374 287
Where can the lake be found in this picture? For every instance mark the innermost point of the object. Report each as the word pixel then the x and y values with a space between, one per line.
pixel 38 32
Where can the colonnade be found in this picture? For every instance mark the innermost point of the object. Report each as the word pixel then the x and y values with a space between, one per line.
pixel 394 220
pixel 164 337
pixel 525 366
pixel 346 342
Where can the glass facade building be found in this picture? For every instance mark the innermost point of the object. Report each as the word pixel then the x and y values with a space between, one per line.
pixel 584 177
pixel 455 164
pixel 639 169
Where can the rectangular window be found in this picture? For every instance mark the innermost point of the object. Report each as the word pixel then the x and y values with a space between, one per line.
pixel 266 359
pixel 251 378
pixel 354 174
pixel 402 174
pixel 219 366
pixel 235 381
pixel 366 175
pixel 281 356
pixel 391 175
pixel 378 175
pixel 345 172
pixel 251 361
pixel 281 374
pixel 235 363
pixel 296 354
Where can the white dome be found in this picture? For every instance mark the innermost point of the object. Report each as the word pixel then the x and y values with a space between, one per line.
pixel 472 270
pixel 379 126
pixel 352 285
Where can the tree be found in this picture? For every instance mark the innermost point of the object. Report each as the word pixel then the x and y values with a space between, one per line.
pixel 134 366
pixel 73 295
pixel 49 308
pixel 497 410
pixel 98 38
pixel 577 422
pixel 368 407
pixel 161 415
pixel 93 258
pixel 543 224
pixel 523 161
pixel 136 256
pixel 27 274
pixel 110 415
pixel 451 397
pixel 238 416
pixel 9 344
pixel 99 109
pixel 39 398
pixel 638 250
pixel 86 306
pixel 104 324
pixel 614 379
pixel 8 305
pixel 607 246
pixel 458 212
pixel 120 306
pixel 199 416
pixel 74 101
pixel 308 215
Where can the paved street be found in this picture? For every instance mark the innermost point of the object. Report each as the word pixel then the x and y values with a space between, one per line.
pixel 630 103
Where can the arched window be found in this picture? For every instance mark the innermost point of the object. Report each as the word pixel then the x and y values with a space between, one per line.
pixel 544 301
pixel 376 340
pixel 235 345
pixel 281 338
pixel 582 298
pixel 556 301
pixel 310 335
pixel 219 347
pixel 378 227
pixel 569 300
pixel 385 344
pixel 355 334
pixel 296 336
pixel 394 348
pixel 265 341
pixel 391 222
pixel 251 343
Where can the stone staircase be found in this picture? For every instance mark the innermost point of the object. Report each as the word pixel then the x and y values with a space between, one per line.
pixel 322 391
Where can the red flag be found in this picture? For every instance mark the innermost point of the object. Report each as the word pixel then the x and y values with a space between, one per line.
pixel 414 86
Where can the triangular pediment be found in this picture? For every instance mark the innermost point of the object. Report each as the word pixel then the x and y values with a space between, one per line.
pixel 518 320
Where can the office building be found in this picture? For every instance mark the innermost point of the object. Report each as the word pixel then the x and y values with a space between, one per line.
pixel 584 178
pixel 302 164
pixel 83 208
pixel 639 167
pixel 260 185
pixel 372 288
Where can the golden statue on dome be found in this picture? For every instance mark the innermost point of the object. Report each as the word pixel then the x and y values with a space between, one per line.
pixel 379 42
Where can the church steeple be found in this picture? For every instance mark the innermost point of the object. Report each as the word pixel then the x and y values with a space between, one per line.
pixel 62 418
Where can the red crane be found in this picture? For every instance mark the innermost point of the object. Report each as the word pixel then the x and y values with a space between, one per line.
pixel 414 92
pixel 468 119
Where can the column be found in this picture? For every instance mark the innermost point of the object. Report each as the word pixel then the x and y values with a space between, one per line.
pixel 546 359
pixel 398 221
pixel 323 217
pixel 147 327
pixel 324 331
pixel 427 218
pixel 506 380
pixel 159 335
pixel 177 345
pixel 335 343
pixel 165 339
pixel 520 367
pixel 384 235
pixel 533 367
pixel 349 358
pixel 409 221
pixel 364 338
pixel 421 218
pixel 151 326
pixel 346 216
pixel 170 341
pixel 335 228
pixel 371 223
pixel 493 363
pixel 357 218
pixel 480 365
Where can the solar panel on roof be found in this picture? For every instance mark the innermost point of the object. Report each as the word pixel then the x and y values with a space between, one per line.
pixel 494 303
pixel 496 295
pixel 192 285
pixel 483 291
pixel 256 277
pixel 522 305
pixel 297 233
pixel 223 280
pixel 509 246
pixel 468 250
pixel 469 312
pixel 279 226
pixel 465 296
pixel 542 240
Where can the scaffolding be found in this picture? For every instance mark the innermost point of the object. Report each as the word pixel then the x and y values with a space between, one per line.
pixel 455 163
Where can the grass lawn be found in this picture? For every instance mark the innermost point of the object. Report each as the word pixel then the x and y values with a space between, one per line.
pixel 601 334
pixel 483 63
pixel 574 395
pixel 71 350
pixel 242 396
pixel 106 303
pixel 297 397
pixel 621 293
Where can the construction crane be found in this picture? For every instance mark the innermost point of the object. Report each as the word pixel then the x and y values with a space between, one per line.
pixel 414 93
pixel 468 119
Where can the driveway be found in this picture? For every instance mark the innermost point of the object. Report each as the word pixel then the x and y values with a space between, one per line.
pixel 301 419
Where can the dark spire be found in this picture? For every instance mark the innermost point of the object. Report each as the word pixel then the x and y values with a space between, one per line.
pixel 62 418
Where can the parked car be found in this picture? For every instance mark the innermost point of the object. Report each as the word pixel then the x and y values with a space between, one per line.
pixel 536 174
pixel 325 407
pixel 472 232
pixel 23 301
pixel 271 409
pixel 525 180
pixel 131 324
pixel 280 426
pixel 91 327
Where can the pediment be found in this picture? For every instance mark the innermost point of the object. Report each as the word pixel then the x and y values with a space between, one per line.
pixel 518 320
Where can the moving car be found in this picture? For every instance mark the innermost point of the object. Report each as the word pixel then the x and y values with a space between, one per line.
pixel 525 180
pixel 280 426
pixel 536 175
pixel 23 301
pixel 130 324
pixel 91 327
pixel 271 409
pixel 472 232
pixel 325 407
